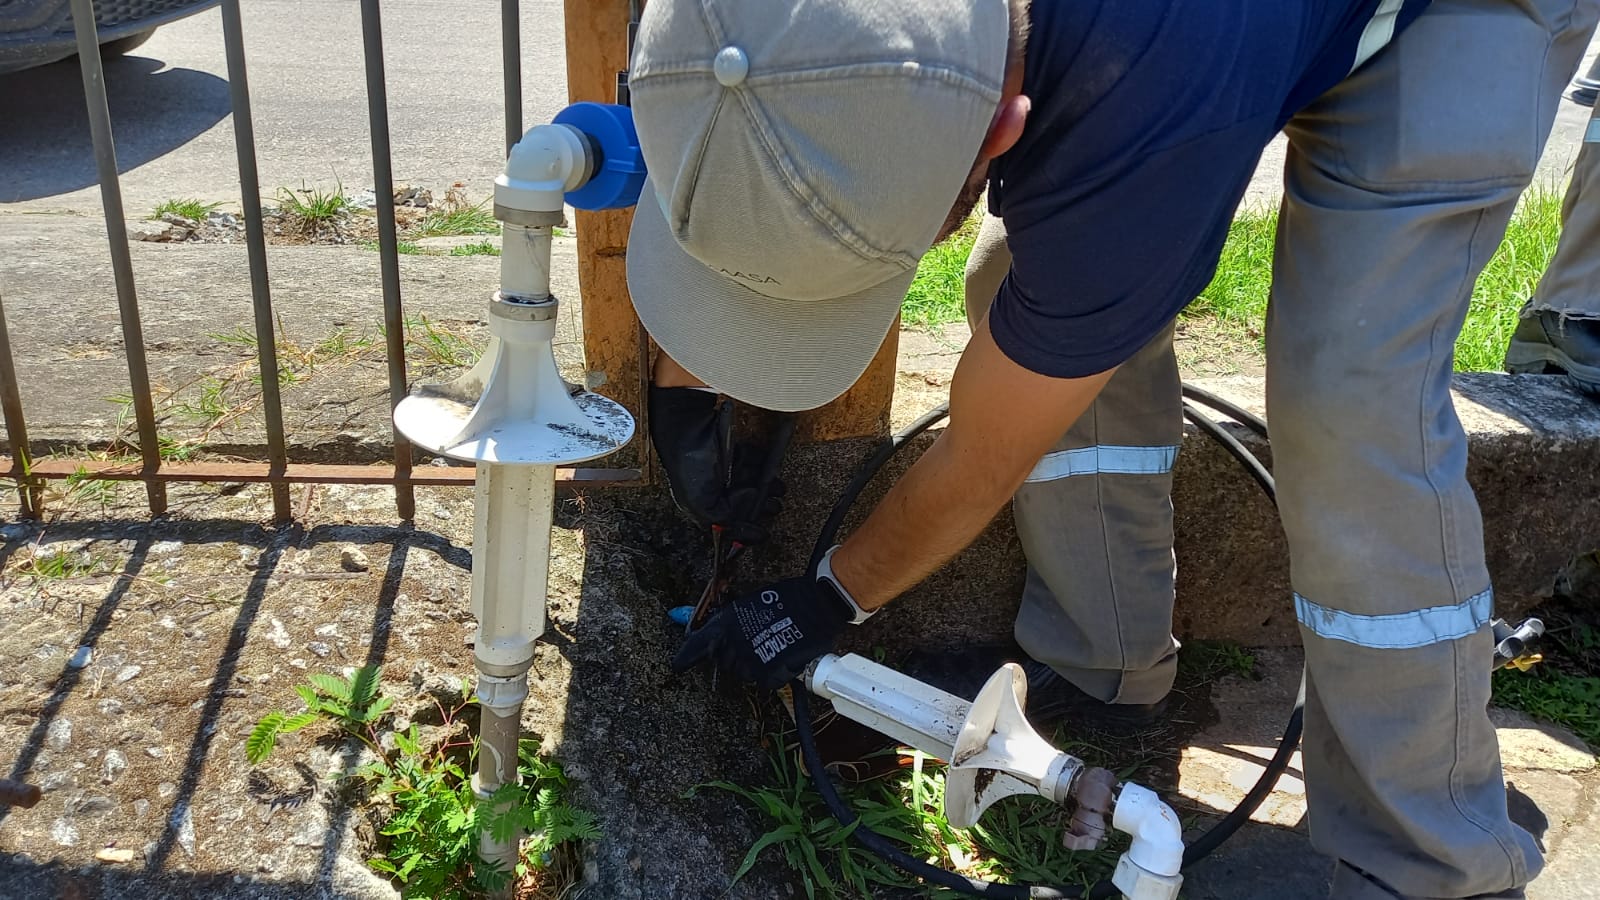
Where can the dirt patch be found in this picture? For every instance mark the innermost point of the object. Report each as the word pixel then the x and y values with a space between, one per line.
pixel 306 217
pixel 139 655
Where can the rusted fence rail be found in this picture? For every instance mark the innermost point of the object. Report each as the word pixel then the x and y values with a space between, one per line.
pixel 276 470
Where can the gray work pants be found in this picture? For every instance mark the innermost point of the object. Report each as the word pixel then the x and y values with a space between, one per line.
pixel 1571 286
pixel 1399 185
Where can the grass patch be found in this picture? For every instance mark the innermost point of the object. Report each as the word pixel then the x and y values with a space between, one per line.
pixel 937 295
pixel 482 248
pixel 1510 279
pixel 1017 841
pixel 438 345
pixel 313 210
pixel 58 565
pixel 1210 660
pixel 404 248
pixel 452 220
pixel 1565 687
pixel 1237 295
pixel 188 209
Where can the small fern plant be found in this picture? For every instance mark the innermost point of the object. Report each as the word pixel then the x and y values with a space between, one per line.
pixel 429 845
pixel 351 703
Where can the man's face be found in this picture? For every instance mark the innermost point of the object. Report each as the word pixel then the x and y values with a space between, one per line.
pixel 971 193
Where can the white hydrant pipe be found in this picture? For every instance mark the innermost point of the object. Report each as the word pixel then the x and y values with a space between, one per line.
pixel 993 752
pixel 516 419
pixel 525 261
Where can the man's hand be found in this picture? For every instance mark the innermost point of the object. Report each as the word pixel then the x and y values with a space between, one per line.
pixel 692 434
pixel 768 636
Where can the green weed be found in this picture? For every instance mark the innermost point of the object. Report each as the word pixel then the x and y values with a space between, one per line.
pixel 451 220
pixel 341 344
pixel 429 843
pixel 439 345
pixel 1017 841
pixel 1571 701
pixel 83 487
pixel 1209 660
pixel 58 565
pixel 1565 687
pixel 403 248
pixel 188 209
pixel 240 336
pixel 210 405
pixel 312 210
pixel 482 248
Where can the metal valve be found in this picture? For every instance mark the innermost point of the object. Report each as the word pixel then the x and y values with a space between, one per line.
pixel 1516 647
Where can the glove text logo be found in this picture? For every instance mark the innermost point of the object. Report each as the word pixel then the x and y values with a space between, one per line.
pixel 778 637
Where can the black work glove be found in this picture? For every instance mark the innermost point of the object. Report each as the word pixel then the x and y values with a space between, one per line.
pixel 769 635
pixel 692 435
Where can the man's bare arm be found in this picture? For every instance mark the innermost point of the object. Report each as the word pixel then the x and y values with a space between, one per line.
pixel 1003 418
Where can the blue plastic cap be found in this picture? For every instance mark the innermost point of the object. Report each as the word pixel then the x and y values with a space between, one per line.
pixel 619 175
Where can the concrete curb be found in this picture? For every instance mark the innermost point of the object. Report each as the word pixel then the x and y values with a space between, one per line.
pixel 1535 464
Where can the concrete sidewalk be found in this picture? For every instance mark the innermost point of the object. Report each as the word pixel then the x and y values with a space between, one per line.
pixel 200 623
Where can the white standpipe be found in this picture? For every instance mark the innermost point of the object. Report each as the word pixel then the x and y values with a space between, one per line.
pixel 993 752
pixel 516 419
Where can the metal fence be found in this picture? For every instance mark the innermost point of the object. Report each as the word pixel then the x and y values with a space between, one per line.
pixel 276 470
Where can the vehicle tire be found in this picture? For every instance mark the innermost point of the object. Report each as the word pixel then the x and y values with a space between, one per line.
pixel 122 45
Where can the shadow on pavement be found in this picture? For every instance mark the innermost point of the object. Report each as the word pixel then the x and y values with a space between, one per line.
pixel 28 878
pixel 45 148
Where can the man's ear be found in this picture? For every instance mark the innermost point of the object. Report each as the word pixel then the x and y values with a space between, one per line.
pixel 1006 129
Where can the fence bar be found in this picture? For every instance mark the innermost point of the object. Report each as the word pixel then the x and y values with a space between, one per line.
pixel 16 428
pixel 389 253
pixel 105 154
pixel 511 48
pixel 293 473
pixel 244 139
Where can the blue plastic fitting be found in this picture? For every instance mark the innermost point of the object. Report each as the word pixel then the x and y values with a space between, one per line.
pixel 619 165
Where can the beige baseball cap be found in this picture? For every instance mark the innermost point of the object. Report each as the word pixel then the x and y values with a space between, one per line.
pixel 802 156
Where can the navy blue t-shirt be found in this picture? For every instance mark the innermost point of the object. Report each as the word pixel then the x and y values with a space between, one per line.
pixel 1148 119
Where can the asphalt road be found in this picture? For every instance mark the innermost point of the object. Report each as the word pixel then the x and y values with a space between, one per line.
pixel 173 130
pixel 170 108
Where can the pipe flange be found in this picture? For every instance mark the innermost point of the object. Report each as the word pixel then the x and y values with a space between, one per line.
pixel 502 693
pixel 519 309
pixel 531 218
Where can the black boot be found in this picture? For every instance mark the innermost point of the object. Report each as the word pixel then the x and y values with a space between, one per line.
pixel 1544 344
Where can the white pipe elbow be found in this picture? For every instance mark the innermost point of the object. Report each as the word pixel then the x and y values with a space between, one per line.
pixel 549 161
pixel 1157 834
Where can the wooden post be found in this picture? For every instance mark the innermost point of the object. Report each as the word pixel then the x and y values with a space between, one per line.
pixel 616 347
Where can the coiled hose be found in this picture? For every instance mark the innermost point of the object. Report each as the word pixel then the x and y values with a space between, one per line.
pixel 892 854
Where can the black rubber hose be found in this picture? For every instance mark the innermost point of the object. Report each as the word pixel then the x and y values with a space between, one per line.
pixel 868 471
pixel 880 845
pixel 1244 416
pixel 1239 451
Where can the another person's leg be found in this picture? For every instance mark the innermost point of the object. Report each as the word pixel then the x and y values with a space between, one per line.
pixel 1560 326
pixel 1399 186
pixel 1095 519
